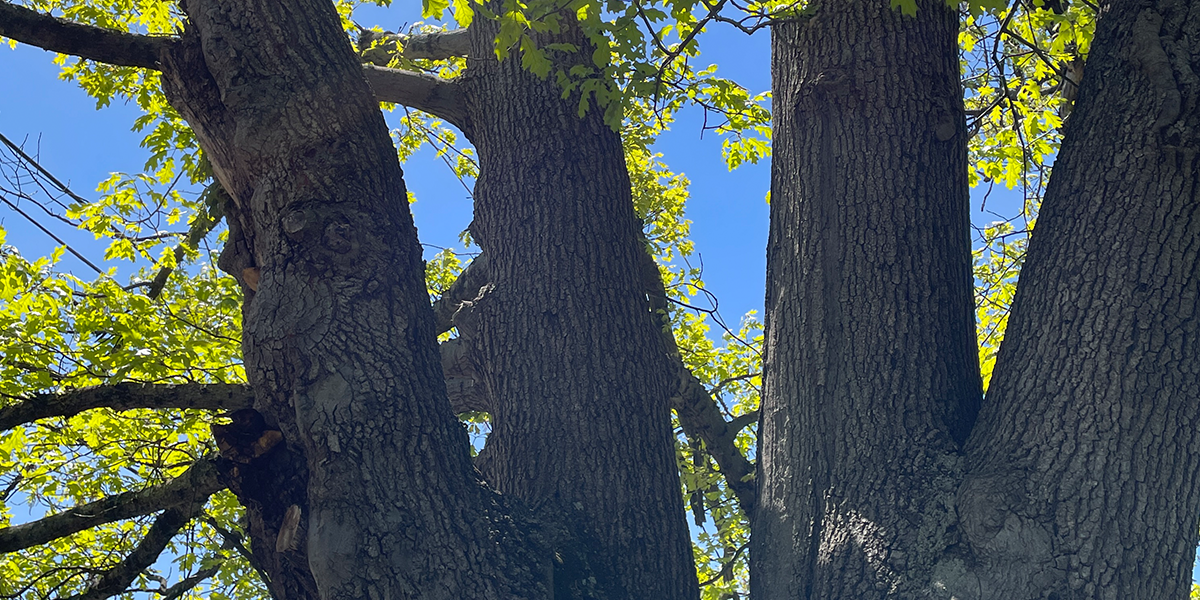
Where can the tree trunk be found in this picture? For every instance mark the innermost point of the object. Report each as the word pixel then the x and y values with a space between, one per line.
pixel 1082 472
pixel 338 333
pixel 871 370
pixel 578 383
pixel 1077 481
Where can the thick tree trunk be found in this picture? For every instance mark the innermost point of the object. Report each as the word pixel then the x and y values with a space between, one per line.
pixel 1082 473
pixel 1078 479
pixel 577 381
pixel 871 372
pixel 339 342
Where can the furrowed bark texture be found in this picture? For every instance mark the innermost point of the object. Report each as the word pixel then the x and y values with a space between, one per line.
pixel 338 333
pixel 1083 471
pixel 568 351
pixel 871 373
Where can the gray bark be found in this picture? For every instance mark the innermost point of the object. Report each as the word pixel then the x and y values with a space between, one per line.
pixel 1077 480
pixel 338 334
pixel 1082 480
pixel 871 373
pixel 577 381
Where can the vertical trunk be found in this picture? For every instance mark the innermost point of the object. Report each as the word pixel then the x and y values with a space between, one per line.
pixel 578 385
pixel 1083 468
pixel 339 342
pixel 871 374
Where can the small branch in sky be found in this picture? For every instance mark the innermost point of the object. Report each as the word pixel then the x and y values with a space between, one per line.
pixel 191 489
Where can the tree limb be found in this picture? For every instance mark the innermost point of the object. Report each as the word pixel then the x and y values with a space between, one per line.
pixel 128 396
pixel 117 579
pixel 439 97
pixel 466 287
pixel 465 394
pixel 698 413
pixel 701 418
pixel 188 583
pixel 193 487
pixel 85 41
pixel 428 93
pixel 379 48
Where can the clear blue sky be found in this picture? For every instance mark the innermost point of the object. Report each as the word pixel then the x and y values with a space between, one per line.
pixel 81 146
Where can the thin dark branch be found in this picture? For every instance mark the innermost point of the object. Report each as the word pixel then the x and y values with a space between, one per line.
pixel 128 396
pixel 188 583
pixel 728 380
pixel 57 239
pixel 233 539
pixel 36 165
pixel 727 568
pixel 117 579
pixel 85 41
pixel 193 487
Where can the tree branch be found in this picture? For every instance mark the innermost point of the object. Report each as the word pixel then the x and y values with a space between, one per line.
pixel 698 413
pixel 466 287
pixel 461 385
pixel 434 95
pixel 379 48
pixel 196 484
pixel 431 94
pixel 117 579
pixel 128 396
pixel 188 583
pixel 85 41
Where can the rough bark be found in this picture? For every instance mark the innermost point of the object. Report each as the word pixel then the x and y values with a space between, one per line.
pixel 127 396
pixel 338 334
pixel 1083 471
pixel 60 35
pixel 567 348
pixel 871 373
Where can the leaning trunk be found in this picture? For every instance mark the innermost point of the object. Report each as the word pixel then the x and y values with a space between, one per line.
pixel 564 341
pixel 871 373
pixel 1083 469
pixel 338 335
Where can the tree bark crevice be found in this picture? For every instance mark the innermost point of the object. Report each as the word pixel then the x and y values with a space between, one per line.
pixel 871 379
